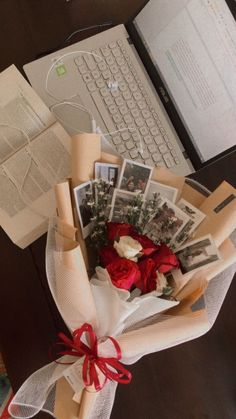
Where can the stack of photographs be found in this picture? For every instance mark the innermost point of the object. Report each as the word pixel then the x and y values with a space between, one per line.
pixel 172 223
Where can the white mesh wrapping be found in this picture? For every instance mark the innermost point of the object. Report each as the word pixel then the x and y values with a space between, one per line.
pixel 141 330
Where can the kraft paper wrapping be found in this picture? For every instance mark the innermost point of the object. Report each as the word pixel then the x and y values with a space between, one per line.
pixel 220 208
pixel 65 407
pixel 162 334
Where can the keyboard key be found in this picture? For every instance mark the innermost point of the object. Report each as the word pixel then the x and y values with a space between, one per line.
pixel 169 145
pixel 128 118
pixel 142 105
pixel 108 100
pixel 96 74
pixel 158 139
pixel 121 148
pixel 117 118
pixel 120 60
pixel 130 144
pixel 125 135
pixel 91 86
pixel 168 160
pixel 156 157
pixel 113 109
pixel 106 74
pixel 129 78
pixel 131 104
pixel 97 55
pixel 145 154
pixel 121 126
pixel 119 101
pixel 117 140
pixel 90 61
pixel 133 87
pixel 136 137
pixel 143 130
pixel 134 153
pixel 154 131
pixel 135 112
pixel 100 83
pixel 123 109
pixel 113 44
pixel 79 60
pixel 104 91
pixel 152 148
pixel 122 86
pixel 126 95
pixel 114 69
pixel 116 52
pixel 124 69
pixel 102 66
pixel 119 78
pixel 105 51
pixel 139 122
pixel 110 60
pixel 150 122
pixel 87 78
pixel 137 95
pixel 146 113
pixel 83 69
pixel 148 139
pixel 163 149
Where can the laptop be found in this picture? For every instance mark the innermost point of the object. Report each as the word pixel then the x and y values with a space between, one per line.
pixel 162 89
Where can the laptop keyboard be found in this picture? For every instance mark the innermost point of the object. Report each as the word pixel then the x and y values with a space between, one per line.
pixel 117 91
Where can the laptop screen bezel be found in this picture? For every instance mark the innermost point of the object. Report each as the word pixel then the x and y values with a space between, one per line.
pixel 165 96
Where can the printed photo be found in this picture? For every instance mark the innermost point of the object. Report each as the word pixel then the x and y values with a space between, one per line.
pixel 196 217
pixel 167 222
pixel 81 194
pixel 107 171
pixel 121 202
pixel 198 253
pixel 134 176
pixel 159 188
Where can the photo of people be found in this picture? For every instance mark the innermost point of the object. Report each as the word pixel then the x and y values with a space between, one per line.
pixel 196 217
pixel 197 254
pixel 134 176
pixel 83 209
pixel 121 202
pixel 107 171
pixel 165 191
pixel 167 222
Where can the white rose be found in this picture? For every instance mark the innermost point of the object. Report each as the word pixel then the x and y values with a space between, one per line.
pixel 128 248
pixel 161 283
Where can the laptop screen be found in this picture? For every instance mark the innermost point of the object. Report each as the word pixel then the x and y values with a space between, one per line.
pixel 192 43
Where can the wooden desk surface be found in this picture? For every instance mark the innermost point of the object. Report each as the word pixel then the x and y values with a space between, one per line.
pixel 195 380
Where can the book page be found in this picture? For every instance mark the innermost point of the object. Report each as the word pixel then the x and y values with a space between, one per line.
pixel 23 115
pixel 26 182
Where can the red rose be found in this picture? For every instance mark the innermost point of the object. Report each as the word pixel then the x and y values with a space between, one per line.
pixel 123 273
pixel 117 230
pixel 147 282
pixel 147 244
pixel 107 255
pixel 164 259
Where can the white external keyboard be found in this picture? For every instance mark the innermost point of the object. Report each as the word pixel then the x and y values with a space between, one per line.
pixel 112 82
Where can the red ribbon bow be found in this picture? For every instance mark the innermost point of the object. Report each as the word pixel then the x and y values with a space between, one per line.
pixel 92 361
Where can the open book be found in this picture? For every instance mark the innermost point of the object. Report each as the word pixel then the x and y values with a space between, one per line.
pixel 34 156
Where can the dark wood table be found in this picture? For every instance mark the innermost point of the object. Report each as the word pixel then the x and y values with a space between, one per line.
pixel 195 380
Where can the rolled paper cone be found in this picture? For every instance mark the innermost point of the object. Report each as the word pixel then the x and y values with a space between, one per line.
pixel 63 201
pixel 162 335
pixel 87 402
pixel 86 149
pixel 72 291
pixel 65 407
pixel 110 158
pixel 190 293
pixel 66 230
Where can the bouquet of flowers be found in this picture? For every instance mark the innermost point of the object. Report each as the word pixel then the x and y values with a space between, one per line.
pixel 138 260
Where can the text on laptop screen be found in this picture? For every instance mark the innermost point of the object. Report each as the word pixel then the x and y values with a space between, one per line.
pixel 193 45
